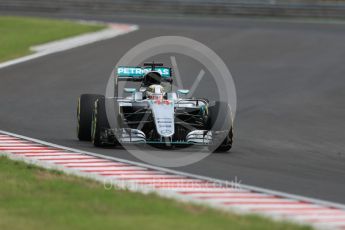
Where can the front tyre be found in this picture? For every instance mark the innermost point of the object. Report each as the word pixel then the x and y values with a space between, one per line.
pixel 84 115
pixel 226 145
pixel 221 124
pixel 99 123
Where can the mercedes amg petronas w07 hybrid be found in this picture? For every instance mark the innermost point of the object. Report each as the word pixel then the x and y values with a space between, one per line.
pixel 153 113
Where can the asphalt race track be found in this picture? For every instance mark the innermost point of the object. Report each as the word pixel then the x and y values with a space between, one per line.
pixel 290 81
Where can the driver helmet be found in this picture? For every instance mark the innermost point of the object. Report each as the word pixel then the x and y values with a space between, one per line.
pixel 155 92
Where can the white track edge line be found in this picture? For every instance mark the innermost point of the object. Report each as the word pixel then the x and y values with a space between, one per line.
pixel 213 180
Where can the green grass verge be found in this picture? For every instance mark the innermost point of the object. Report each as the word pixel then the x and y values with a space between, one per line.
pixel 35 198
pixel 18 34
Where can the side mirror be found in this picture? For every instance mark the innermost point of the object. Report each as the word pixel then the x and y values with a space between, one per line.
pixel 183 91
pixel 130 90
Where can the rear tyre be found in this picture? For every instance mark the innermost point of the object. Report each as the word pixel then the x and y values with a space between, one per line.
pixel 84 115
pixel 99 123
pixel 220 123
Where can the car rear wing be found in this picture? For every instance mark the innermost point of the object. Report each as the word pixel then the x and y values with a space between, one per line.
pixel 130 73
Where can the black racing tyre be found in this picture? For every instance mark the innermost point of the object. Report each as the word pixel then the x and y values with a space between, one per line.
pixel 220 123
pixel 84 115
pixel 227 143
pixel 99 122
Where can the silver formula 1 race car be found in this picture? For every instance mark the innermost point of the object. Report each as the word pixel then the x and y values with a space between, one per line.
pixel 154 114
